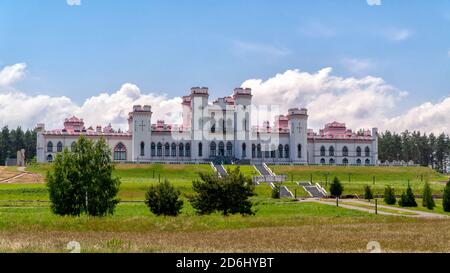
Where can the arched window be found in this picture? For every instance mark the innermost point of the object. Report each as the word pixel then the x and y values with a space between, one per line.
pixel 59 147
pixel 221 149
pixel 280 151
pixel 358 162
pixel 50 147
pixel 229 149
pixel 266 151
pixel 159 149
pixel 72 146
pixel 273 151
pixel 153 148
pixel 367 150
pixel 299 150
pixel 244 150
pixel 322 161
pixel 331 161
pixel 142 148
pixel 49 158
pixel 188 150
pixel 345 161
pixel 213 149
pixel 331 151
pixel 358 151
pixel 181 150
pixel 345 151
pixel 286 151
pixel 253 150
pixel 120 152
pixel 322 151
pixel 200 149
pixel 174 150
pixel 367 162
pixel 167 150
pixel 258 151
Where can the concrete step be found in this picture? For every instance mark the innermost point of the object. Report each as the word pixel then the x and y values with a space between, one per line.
pixel 221 170
pixel 262 170
pixel 314 191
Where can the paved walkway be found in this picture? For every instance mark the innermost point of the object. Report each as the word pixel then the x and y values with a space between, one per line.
pixel 418 213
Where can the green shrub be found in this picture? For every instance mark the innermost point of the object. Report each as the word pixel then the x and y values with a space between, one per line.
pixel 81 181
pixel 408 199
pixel 427 200
pixel 276 191
pixel 336 188
pixel 389 196
pixel 228 195
pixel 164 199
pixel 446 200
pixel 368 194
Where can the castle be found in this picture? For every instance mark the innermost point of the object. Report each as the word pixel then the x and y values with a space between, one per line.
pixel 219 130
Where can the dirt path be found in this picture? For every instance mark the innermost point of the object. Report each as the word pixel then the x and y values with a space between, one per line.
pixel 23 177
pixel 418 214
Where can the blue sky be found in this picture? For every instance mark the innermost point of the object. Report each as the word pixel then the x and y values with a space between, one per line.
pixel 166 47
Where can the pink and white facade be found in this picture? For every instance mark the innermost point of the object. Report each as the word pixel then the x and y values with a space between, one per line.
pixel 219 130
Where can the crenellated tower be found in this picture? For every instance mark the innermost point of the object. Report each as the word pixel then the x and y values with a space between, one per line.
pixel 298 138
pixel 141 121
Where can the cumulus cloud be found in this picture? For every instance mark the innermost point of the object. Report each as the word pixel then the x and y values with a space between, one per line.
pixel 73 2
pixel 11 74
pixel 374 2
pixel 17 108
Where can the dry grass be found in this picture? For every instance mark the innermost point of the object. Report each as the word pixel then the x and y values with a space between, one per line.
pixel 27 178
pixel 316 236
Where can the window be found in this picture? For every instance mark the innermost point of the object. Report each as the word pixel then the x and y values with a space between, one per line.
pixel 72 147
pixel 59 147
pixel 345 151
pixel 367 151
pixel 200 149
pixel 49 158
pixel 331 161
pixel 345 161
pixel 258 151
pixel 229 149
pixel 120 152
pixel 153 148
pixel 280 151
pixel 159 150
pixel 322 151
pixel 273 151
pixel 167 150
pixel 367 162
pixel 221 149
pixel 142 149
pixel 299 150
pixel 331 151
pixel 253 150
pixel 174 150
pixel 322 161
pixel 188 150
pixel 213 149
pixel 358 151
pixel 358 162
pixel 244 150
pixel 50 147
pixel 286 151
pixel 181 150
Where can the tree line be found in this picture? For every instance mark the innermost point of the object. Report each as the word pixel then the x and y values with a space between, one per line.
pixel 423 149
pixel 14 140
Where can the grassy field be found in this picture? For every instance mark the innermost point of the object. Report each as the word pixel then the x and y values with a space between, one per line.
pixel 278 226
pixel 355 178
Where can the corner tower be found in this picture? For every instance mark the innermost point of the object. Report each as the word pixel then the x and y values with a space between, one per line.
pixel 298 127
pixel 199 122
pixel 141 120
pixel 242 120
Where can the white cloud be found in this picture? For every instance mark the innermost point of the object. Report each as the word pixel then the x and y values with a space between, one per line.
pixel 374 2
pixel 358 66
pixel 257 48
pixel 73 2
pixel 17 108
pixel 398 35
pixel 11 74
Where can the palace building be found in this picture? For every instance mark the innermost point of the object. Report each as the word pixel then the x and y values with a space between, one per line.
pixel 220 130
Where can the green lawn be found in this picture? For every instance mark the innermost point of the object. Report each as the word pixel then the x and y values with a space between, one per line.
pixel 355 178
